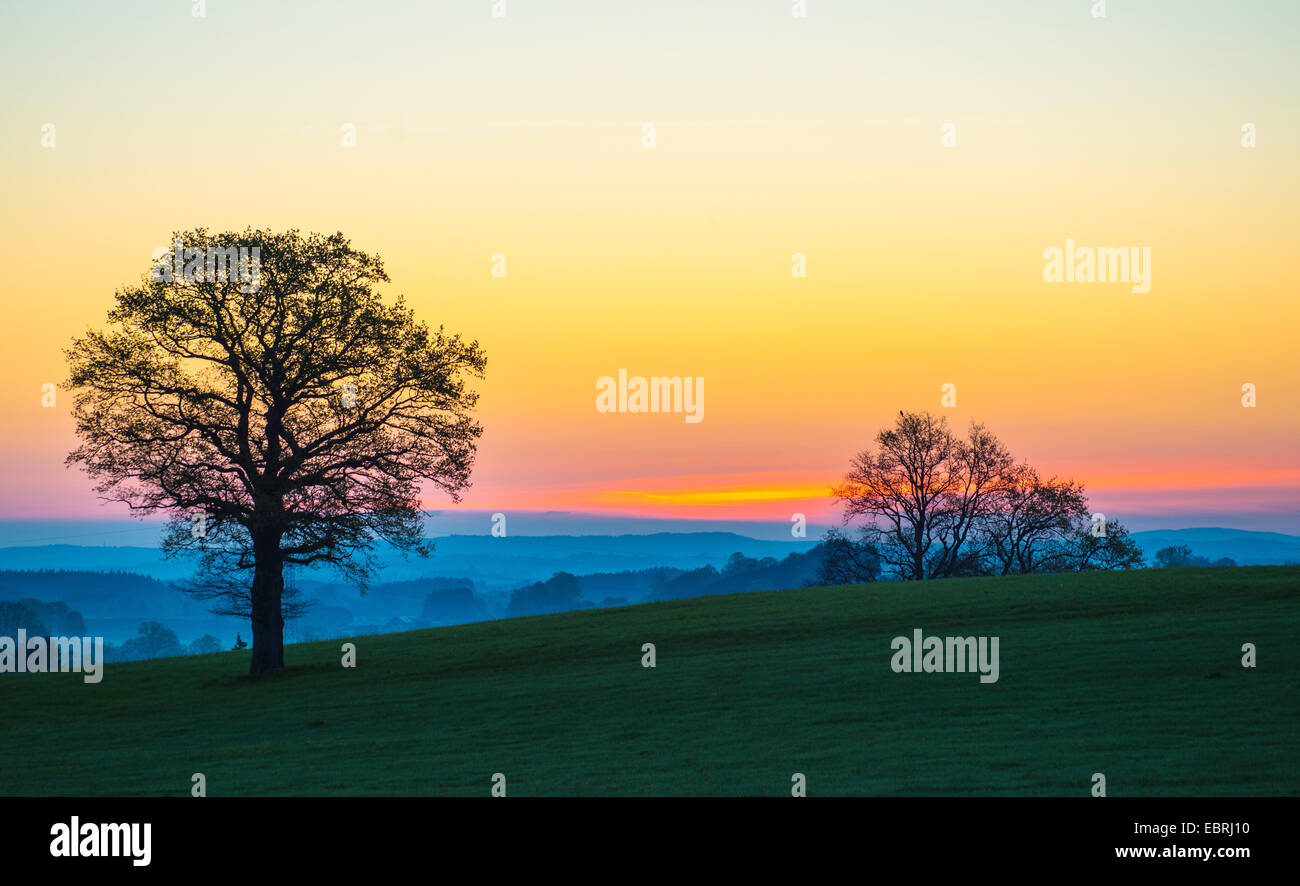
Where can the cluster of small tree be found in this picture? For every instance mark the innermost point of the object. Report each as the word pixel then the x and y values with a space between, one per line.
pixel 559 593
pixel 564 592
pixel 452 605
pixel 1181 555
pixel 155 640
pixel 625 585
pixel 152 640
pixel 323 623
pixel 692 583
pixel 15 615
pixel 40 619
pixel 739 574
pixel 204 645
pixel 933 504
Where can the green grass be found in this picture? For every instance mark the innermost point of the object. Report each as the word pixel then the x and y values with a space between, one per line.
pixel 1136 675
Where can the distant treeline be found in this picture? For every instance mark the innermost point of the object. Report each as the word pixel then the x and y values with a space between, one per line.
pixel 40 619
pixel 1181 555
pixel 564 591
pixel 435 601
pixel 92 591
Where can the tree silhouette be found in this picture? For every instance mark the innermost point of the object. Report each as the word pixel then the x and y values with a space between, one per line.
pixel 153 639
pixel 205 645
pixel 847 561
pixel 939 506
pixel 1116 549
pixel 1033 527
pixel 1174 555
pixel 286 418
pixel 16 616
pixel 923 491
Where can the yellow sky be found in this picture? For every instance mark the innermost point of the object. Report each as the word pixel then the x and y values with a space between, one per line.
pixel 923 262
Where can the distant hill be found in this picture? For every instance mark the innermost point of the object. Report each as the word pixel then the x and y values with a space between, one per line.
pixel 1245 547
pixel 504 563
pixel 482 558
pixel 98 594
pixel 116 588
pixel 143 561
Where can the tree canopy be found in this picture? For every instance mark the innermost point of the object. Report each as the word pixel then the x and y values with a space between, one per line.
pixel 932 504
pixel 290 417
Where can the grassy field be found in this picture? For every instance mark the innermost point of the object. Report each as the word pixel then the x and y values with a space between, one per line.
pixel 1135 675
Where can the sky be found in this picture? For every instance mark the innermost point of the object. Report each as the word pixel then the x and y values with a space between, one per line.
pixel 525 136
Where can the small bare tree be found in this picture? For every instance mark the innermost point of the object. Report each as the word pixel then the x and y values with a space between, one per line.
pixel 922 492
pixel 847 561
pixel 1033 526
pixel 979 468
pixel 901 489
pixel 937 506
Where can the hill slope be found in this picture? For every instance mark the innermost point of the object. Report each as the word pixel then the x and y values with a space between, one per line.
pixel 1247 548
pixel 1136 675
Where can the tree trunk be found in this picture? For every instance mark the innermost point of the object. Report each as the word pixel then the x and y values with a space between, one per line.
pixel 268 621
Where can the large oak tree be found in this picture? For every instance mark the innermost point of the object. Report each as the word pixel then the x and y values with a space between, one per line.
pixel 293 421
